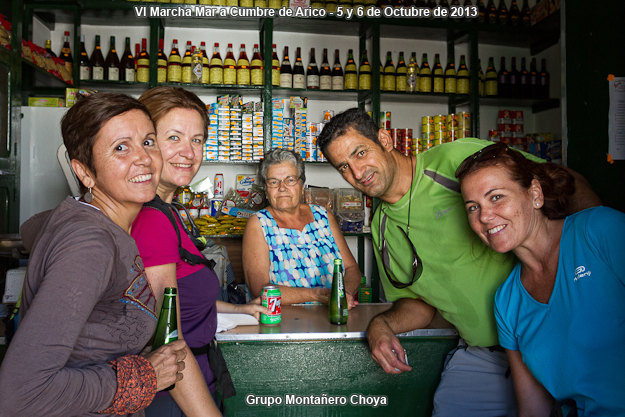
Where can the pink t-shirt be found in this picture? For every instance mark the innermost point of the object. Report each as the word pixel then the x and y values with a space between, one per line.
pixel 158 244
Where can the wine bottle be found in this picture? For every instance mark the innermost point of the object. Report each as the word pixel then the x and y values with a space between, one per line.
pixel 299 75
pixel 143 63
pixel 205 64
pixel 275 67
pixel 400 73
pixel 186 64
pixel 84 64
pixel 524 80
pixel 543 78
pixel 338 80
pixel 503 79
pixel 451 82
pixel 490 79
pixel 438 80
pixel 111 64
pixel 364 73
pixel 257 67
pixel 325 75
pixel 503 17
pixel 49 48
pixel 491 13
pixel 425 75
pixel 97 61
pixel 312 72
pixel 351 73
pixel 286 72
pixel 389 73
pixel 174 64
pixel 127 63
pixel 230 67
pixel 161 63
pixel 243 67
pixel 66 53
pixel 515 14
pixel 216 66
pixel 463 77
pixel 412 75
pixel 513 79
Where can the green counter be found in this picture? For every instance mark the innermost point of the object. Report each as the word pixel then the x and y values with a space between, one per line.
pixel 309 367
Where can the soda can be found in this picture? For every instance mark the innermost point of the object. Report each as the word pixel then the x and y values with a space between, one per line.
pixel 272 299
pixel 219 186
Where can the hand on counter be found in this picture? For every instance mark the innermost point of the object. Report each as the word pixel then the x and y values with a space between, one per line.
pixel 385 347
pixel 253 308
pixel 351 300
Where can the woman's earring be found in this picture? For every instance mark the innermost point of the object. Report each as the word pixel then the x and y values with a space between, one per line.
pixel 88 197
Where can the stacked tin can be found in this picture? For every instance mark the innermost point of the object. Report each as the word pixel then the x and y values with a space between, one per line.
pixel 510 128
pixel 443 128
pixel 402 140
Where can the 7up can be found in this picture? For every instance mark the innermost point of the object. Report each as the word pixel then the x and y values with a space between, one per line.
pixel 272 299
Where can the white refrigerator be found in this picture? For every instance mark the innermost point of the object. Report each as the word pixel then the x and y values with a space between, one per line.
pixel 42 182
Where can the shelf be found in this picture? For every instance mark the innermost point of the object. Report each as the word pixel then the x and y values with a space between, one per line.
pixel 44 76
pixel 537 105
pixel 429 98
pixel 114 86
pixel 218 88
pixel 333 95
pixel 205 163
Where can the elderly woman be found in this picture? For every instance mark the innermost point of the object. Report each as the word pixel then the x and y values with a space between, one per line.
pixel 87 309
pixel 292 244
pixel 181 129
pixel 561 312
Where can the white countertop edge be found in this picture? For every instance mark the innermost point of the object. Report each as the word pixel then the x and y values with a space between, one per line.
pixel 321 336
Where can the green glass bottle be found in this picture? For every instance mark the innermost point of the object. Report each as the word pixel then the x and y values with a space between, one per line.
pixel 167 326
pixel 337 309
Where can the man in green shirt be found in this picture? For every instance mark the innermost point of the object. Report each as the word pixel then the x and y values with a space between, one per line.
pixel 429 259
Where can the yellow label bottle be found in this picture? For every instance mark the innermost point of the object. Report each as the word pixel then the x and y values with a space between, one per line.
pixel 425 76
pixel 230 67
pixel 243 67
pixel 400 78
pixel 351 75
pixel 174 69
pixel 216 66
pixel 275 67
pixel 205 64
pixel 364 73
pixel 257 68
pixel 186 64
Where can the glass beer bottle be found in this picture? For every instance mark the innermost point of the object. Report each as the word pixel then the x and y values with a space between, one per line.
pixel 167 325
pixel 337 309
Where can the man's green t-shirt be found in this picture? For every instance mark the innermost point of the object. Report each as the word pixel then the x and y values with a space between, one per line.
pixel 460 273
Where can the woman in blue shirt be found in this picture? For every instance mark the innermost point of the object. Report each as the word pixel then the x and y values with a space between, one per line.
pixel 561 312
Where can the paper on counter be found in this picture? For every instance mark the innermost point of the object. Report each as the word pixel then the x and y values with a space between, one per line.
pixel 227 321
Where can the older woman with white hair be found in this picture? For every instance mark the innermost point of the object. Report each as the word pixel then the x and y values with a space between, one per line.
pixel 292 244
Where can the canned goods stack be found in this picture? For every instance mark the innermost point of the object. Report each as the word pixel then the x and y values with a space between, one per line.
pixel 229 139
pixel 443 128
pixel 385 120
pixel 510 128
pixel 402 140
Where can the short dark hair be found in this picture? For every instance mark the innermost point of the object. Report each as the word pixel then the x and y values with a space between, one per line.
pixel 83 121
pixel 353 118
pixel 556 182
pixel 161 100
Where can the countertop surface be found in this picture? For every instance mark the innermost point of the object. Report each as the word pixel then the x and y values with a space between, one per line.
pixel 310 322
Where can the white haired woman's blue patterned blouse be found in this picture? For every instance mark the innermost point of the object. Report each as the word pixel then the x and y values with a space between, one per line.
pixel 300 258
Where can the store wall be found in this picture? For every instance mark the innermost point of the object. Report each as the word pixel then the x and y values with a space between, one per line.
pixel 594 39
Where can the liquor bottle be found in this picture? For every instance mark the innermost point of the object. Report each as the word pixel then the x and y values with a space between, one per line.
pixel 412 74
pixel 230 67
pixel 66 53
pixel 425 75
pixel 482 12
pixel 513 79
pixel 275 67
pixel 331 6
pixel 451 82
pixel 167 324
pixel 97 61
pixel 216 66
pixel 205 64
pixel 515 14
pixel 197 67
pixel 438 81
pixel 503 17
pixel 480 78
pixel 389 83
pixel 49 48
pixel 84 64
pixel 186 64
pixel 491 12
pixel 161 63
pixel 325 75
pixel 262 4
pixel 111 64
pixel 312 72
pixel 337 308
pixel 351 72
pixel 463 77
pixel 338 80
pixel 257 67
pixel 127 64
pixel 143 63
pixel 526 14
pixel 243 67
pixel 286 72
pixel 524 80
pixel 533 78
pixel 543 80
pixel 490 79
pixel 299 75
pixel 400 73
pixel 174 64
pixel 364 73
pixel 137 52
pixel 503 79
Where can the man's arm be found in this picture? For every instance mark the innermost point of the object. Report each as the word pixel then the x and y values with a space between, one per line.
pixel 584 196
pixel 405 315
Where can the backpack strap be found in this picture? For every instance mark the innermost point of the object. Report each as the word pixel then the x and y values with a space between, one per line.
pixel 169 211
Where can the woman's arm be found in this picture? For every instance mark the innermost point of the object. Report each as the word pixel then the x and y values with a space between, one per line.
pixel 191 393
pixel 352 273
pixel 256 266
pixel 532 398
pixel 253 308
